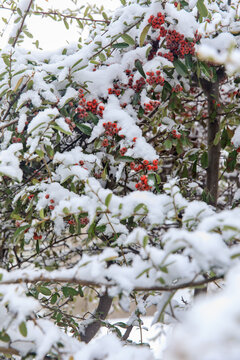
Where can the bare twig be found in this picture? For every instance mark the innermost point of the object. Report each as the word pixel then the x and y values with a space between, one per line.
pixel 22 23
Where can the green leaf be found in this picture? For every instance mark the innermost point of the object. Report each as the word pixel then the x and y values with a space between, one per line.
pixel 54 298
pixel 19 11
pixel 217 138
pixel 206 70
pixel 125 159
pixel 1 276
pixel 44 290
pixel 4 336
pixel 144 34
pixel 145 241
pixel 85 129
pixel 20 230
pixel 168 144
pixel 224 139
pixel 93 118
pixel 6 60
pixel 204 160
pixel 104 16
pixel 102 57
pixel 138 207
pixel 57 127
pixel 69 291
pixel 23 328
pixel 123 2
pixel 188 61
pixel 120 45
pixel 80 291
pixel 139 67
pixel 66 23
pixel 41 214
pixel 128 39
pixel 40 153
pixel 202 8
pixel 100 228
pixel 180 68
pixel 29 84
pixel 28 34
pixel 108 199
pixel 66 211
pixel 231 161
pixel 76 63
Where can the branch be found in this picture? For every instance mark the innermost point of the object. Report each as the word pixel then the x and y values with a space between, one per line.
pixel 32 279
pixel 100 313
pixel 22 23
pixel 59 14
pixel 8 350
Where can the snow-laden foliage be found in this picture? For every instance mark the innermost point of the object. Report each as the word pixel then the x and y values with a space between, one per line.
pixel 119 180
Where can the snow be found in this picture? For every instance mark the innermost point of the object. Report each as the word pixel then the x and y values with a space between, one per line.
pixel 131 241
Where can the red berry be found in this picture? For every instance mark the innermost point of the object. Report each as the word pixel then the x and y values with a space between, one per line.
pixel 47 196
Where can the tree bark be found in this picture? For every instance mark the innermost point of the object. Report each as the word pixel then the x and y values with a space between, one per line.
pixel 213 150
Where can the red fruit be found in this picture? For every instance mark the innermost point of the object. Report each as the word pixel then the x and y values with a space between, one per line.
pixel 51 207
pixel 47 196
pixel 155 162
pixel 145 162
pixel 52 201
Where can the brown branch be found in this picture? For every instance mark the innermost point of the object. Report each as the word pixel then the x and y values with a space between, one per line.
pixel 59 14
pixel 8 124
pixel 118 36
pixel 22 23
pixel 36 278
pixel 8 350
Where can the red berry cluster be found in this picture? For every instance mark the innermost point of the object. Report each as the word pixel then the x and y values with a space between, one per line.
pixel 84 221
pixel 71 222
pixel 16 139
pixel 51 207
pixel 145 166
pixel 175 135
pixel 30 196
pixel 177 88
pixel 175 42
pixel 111 130
pixel 70 123
pixel 123 151
pixel 150 106
pixel 115 90
pixel 139 84
pixel 36 236
pixel 88 106
pixel 156 21
pixel 143 184
pixel 81 162
pixel 155 78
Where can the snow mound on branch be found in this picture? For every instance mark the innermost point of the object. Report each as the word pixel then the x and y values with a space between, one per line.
pixel 9 162
pixel 211 327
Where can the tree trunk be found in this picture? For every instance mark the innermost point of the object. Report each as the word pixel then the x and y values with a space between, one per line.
pixel 213 150
pixel 100 313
